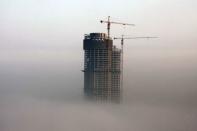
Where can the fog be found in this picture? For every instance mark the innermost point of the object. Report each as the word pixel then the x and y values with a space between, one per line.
pixel 43 90
pixel 41 58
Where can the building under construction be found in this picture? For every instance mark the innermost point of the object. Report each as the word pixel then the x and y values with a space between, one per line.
pixel 102 67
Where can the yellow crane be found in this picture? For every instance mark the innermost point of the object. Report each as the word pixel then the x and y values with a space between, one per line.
pixel 109 22
pixel 122 38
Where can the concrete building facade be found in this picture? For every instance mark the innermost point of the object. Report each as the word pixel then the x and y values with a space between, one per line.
pixel 102 67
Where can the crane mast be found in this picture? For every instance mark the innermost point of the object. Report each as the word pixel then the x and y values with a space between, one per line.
pixel 122 38
pixel 109 22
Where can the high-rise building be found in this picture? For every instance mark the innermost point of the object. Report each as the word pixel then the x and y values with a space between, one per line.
pixel 102 68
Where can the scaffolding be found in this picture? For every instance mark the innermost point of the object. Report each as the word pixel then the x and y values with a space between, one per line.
pixel 101 67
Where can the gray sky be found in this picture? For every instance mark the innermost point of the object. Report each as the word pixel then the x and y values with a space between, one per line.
pixel 41 58
pixel 32 24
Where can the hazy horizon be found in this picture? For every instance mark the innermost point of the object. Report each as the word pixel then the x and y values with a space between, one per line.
pixel 41 58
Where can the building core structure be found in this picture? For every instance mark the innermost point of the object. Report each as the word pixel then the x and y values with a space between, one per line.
pixel 102 68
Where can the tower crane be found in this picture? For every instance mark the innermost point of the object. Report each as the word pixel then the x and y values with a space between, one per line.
pixel 109 22
pixel 122 38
